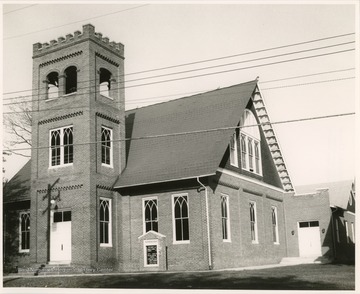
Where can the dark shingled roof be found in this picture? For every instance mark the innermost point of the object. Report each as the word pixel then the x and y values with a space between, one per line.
pixel 18 188
pixel 168 158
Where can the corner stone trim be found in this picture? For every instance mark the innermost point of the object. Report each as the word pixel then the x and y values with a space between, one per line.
pixel 107 59
pixel 64 188
pixel 61 58
pixel 57 118
pixel 104 116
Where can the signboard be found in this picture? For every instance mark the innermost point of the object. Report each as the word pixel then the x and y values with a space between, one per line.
pixel 151 255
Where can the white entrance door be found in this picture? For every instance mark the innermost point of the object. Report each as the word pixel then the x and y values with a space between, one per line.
pixel 309 239
pixel 60 237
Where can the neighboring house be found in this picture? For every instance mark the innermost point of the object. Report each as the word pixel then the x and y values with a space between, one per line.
pixel 193 183
pixel 16 219
pixel 336 214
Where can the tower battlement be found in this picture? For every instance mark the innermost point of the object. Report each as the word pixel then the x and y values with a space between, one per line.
pixel 87 33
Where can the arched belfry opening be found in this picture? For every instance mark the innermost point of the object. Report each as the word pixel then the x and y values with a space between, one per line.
pixel 52 81
pixel 105 82
pixel 70 80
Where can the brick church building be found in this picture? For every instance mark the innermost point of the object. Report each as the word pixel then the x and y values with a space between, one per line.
pixel 194 183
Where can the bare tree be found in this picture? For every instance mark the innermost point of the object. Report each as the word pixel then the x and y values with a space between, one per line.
pixel 17 123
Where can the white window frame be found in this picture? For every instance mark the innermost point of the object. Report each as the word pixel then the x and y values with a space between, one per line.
pixel 276 227
pixel 256 241
pixel 233 151
pixel 111 146
pixel 61 146
pixel 151 243
pixel 353 232
pixel 109 244
pixel 20 232
pixel 224 197
pixel 244 150
pixel 143 211
pixel 173 218
pixel 347 231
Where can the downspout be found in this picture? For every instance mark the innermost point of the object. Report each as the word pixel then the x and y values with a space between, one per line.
pixel 207 222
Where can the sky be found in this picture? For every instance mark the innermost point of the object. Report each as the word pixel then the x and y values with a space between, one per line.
pixel 166 35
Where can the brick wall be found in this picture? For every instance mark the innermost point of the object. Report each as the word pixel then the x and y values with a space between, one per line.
pixel 241 251
pixel 308 207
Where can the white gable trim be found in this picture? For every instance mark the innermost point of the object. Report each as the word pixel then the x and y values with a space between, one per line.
pixel 236 175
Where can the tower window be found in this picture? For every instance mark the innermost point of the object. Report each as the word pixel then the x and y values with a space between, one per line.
pixel 106 146
pixel 105 82
pixel 61 146
pixel 52 85
pixel 70 80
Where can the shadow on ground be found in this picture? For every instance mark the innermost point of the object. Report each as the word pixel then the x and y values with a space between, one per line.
pixel 302 277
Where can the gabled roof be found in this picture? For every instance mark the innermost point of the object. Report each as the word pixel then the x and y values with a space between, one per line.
pixel 339 192
pixel 18 188
pixel 167 158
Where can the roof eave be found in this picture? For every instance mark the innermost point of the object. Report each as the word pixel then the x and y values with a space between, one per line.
pixel 163 181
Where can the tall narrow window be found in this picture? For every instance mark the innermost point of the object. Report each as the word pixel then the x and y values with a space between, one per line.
pixel 251 154
pixel 275 228
pixel 243 151
pixel 181 218
pixel 24 232
pixel 105 82
pixel 353 232
pixel 347 231
pixel 52 83
pixel 105 222
pixel 233 151
pixel 337 231
pixel 61 146
pixel 68 145
pixel 257 157
pixel 253 224
pixel 150 215
pixel 106 146
pixel 70 80
pixel 250 143
pixel 225 219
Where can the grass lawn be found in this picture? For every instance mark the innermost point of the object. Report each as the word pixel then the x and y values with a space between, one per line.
pixel 299 277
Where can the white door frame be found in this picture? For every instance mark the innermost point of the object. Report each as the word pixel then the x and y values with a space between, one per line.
pixel 60 239
pixel 309 239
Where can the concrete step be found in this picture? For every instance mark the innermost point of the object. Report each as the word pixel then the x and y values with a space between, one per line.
pixel 304 260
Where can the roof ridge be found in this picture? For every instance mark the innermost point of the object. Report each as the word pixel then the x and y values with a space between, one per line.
pixel 186 97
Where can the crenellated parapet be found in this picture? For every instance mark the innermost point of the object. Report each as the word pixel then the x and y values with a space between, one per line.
pixel 78 36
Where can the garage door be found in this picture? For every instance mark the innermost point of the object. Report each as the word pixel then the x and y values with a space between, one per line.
pixel 309 239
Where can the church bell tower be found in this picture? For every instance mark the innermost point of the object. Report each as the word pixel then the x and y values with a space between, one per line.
pixel 78 127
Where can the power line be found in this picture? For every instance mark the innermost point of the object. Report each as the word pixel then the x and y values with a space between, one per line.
pixel 60 26
pixel 246 53
pixel 278 87
pixel 243 61
pixel 205 74
pixel 191 132
pixel 219 58
pixel 19 9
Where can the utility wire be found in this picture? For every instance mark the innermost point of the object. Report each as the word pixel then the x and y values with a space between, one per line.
pixel 242 54
pixel 206 74
pixel 60 26
pixel 18 9
pixel 278 87
pixel 219 58
pixel 156 98
pixel 190 132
